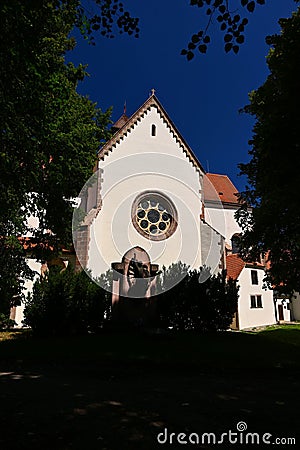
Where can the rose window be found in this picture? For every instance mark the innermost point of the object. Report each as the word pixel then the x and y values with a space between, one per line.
pixel 154 216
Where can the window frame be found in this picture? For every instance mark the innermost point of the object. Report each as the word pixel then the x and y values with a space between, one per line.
pixel 256 301
pixel 254 277
pixel 153 130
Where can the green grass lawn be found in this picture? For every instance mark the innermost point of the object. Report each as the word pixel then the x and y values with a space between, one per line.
pixel 287 334
pixel 272 347
pixel 118 390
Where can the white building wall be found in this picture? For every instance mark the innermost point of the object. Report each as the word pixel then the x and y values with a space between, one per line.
pixel 296 306
pixel 285 304
pixel 222 219
pixel 28 285
pixel 212 248
pixel 253 317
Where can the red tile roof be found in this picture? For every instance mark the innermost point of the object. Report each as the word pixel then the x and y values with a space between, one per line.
pixel 223 186
pixel 234 265
pixel 120 122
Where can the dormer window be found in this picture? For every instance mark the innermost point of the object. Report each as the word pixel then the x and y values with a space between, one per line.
pixel 153 130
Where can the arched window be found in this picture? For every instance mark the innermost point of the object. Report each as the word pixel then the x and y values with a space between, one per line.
pixel 153 130
pixel 235 243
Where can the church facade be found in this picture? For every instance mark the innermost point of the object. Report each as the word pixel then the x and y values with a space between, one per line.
pixel 151 204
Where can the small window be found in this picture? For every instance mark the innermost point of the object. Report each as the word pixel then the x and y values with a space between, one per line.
pixel 153 130
pixel 256 301
pixel 235 243
pixel 254 277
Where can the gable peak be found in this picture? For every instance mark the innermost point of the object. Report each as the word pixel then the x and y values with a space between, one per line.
pixel 126 125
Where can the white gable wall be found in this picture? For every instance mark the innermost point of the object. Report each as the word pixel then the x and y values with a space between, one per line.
pixel 139 139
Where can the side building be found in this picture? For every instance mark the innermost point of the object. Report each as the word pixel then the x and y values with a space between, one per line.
pixel 256 305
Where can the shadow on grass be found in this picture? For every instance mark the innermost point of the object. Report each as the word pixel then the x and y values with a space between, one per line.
pixel 205 352
pixel 119 391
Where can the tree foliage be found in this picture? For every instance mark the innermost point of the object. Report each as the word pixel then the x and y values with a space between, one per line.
pixel 273 228
pixel 195 306
pixel 106 17
pixel 231 17
pixel 49 133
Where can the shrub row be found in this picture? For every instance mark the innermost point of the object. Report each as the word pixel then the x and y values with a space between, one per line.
pixel 70 302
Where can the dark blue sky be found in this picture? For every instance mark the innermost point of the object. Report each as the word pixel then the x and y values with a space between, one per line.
pixel 203 96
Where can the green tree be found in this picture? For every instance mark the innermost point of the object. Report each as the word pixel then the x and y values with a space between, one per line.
pixel 231 17
pixel 49 133
pixel 104 17
pixel 192 305
pixel 273 227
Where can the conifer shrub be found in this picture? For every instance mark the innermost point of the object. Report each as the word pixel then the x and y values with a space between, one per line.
pixel 67 303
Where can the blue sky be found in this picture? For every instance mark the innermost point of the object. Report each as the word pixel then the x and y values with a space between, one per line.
pixel 202 96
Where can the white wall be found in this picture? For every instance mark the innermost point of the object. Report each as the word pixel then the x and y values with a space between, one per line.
pixel 222 219
pixel 296 306
pixel 285 309
pixel 252 317
pixel 28 285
